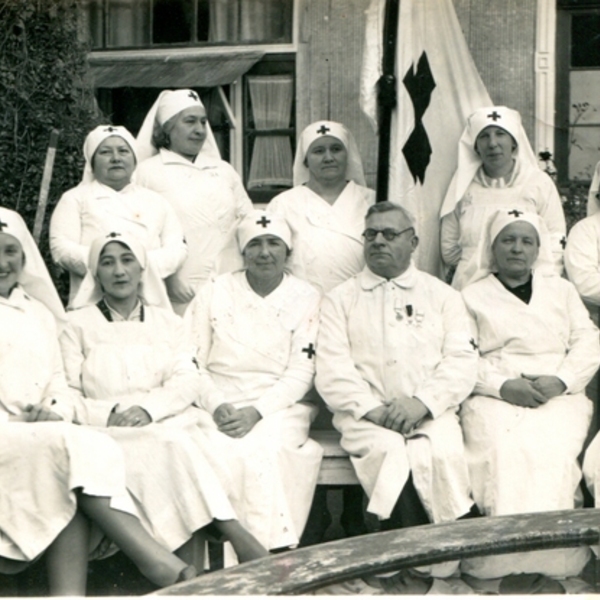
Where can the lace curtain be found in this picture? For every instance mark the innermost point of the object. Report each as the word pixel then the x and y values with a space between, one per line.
pixel 271 98
pixel 241 21
pixel 250 20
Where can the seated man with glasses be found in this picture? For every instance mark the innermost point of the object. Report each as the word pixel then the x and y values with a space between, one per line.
pixel 394 361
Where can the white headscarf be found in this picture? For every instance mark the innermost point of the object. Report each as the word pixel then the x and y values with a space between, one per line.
pixel 34 278
pixel 168 104
pixel 593 204
pixel 468 159
pixel 260 222
pixel 95 138
pixel 152 288
pixel 354 169
pixel 486 264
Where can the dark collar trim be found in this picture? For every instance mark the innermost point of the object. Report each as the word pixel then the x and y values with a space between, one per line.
pixel 103 308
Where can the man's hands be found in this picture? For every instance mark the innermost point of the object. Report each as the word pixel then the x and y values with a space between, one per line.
pixel 548 385
pixel 235 422
pixel 401 414
pixel 531 390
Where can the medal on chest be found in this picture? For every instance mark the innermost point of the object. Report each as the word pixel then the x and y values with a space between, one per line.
pixel 408 313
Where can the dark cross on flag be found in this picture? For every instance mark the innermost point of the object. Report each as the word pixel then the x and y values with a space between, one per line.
pixel 417 149
pixel 473 343
pixel 516 213
pixel 323 130
pixel 193 95
pixel 110 129
pixel 263 221
pixel 563 242
pixel 494 116
pixel 310 351
pixel 3 225
pixel 113 235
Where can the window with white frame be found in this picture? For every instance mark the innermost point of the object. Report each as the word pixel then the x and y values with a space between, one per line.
pixel 578 89
pixel 237 54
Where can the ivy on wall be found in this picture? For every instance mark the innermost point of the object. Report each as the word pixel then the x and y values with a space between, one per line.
pixel 42 86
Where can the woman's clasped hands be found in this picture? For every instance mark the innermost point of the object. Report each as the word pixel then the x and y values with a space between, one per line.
pixel 235 422
pixel 34 413
pixel 531 390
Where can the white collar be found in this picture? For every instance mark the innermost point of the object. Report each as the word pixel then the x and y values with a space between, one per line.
pixel 200 162
pixel 135 315
pixel 18 298
pixel 370 280
pixel 101 190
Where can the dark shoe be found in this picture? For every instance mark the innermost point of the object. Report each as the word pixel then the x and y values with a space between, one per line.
pixel 319 519
pixel 473 513
pixel 406 581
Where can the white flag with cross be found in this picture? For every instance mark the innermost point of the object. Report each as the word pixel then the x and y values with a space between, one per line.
pixel 437 87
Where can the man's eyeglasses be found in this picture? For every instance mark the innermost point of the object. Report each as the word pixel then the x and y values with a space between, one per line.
pixel 389 234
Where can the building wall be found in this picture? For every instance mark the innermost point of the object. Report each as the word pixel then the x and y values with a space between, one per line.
pixel 328 66
pixel 500 35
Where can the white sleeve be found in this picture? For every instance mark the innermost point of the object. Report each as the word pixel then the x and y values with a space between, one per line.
pixel 199 330
pixel 88 411
pixel 583 353
pixel 489 378
pixel 338 381
pixel 181 384
pixel 298 376
pixel 582 261
pixel 449 238
pixel 173 249
pixel 57 396
pixel 65 235
pixel 454 377
pixel 242 200
pixel 554 217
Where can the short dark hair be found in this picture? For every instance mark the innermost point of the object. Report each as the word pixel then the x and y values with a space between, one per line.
pixel 160 138
pixel 386 206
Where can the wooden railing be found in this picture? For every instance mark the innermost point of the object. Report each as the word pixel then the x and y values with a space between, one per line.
pixel 304 570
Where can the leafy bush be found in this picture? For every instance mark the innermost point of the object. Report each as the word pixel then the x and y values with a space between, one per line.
pixel 42 86
pixel 574 196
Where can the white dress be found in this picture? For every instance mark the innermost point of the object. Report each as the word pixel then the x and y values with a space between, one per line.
pixel 255 351
pixel 209 201
pixel 523 459
pixel 42 464
pixel 93 209
pixel 146 363
pixel 327 238
pixel 379 340
pixel 531 190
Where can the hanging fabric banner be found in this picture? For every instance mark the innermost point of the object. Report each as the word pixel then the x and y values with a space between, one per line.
pixel 437 88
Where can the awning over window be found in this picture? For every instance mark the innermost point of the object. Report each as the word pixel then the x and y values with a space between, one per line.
pixel 192 67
